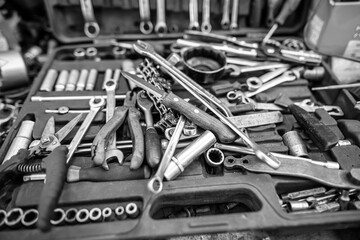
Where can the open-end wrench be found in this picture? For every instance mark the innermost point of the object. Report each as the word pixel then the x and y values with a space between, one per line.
pixel 254 83
pixel 225 20
pixel 206 25
pixel 160 26
pixel 111 150
pixel 91 27
pixel 234 15
pixel 193 15
pixel 96 103
pixel 146 27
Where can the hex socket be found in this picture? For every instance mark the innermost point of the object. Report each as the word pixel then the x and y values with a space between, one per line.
pixel 58 217
pixel 2 218
pixel 30 217
pixel 13 218
pixel 295 144
pixel 132 210
pixel 83 216
pixel 106 213
pixel 96 215
pixel 120 213
pixel 214 157
pixel 183 159
pixel 70 215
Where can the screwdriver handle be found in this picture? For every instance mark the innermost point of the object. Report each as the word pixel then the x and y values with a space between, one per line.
pixel 153 147
pixel 200 118
pixel 56 168
pixel 287 9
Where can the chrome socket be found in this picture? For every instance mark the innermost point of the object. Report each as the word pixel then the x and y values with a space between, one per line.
pixel 120 213
pixel 83 216
pixel 96 215
pixel 70 215
pixel 132 210
pixel 30 218
pixel 13 218
pixel 106 214
pixel 58 217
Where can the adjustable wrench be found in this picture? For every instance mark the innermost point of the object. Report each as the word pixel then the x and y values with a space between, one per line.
pixel 146 27
pixel 111 150
pixel 91 27
pixel 206 25
pixel 234 15
pixel 225 21
pixel 160 26
pixel 193 15
pixel 96 103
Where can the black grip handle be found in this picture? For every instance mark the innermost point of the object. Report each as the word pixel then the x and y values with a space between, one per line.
pixel 56 168
pixel 319 133
pixel 153 147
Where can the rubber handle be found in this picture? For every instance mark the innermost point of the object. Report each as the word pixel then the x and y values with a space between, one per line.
pixel 200 118
pixel 137 137
pixel 101 139
pixel 56 168
pixel 319 133
pixel 287 9
pixel 351 129
pixel 241 108
pixel 115 173
pixel 152 147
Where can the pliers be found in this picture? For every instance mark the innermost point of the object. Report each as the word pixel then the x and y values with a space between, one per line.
pixel 54 164
pixel 98 148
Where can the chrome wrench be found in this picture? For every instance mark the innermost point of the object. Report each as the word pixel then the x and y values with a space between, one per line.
pixel 255 83
pixel 234 15
pixel 91 27
pixel 146 27
pixel 206 25
pixel 193 15
pixel 225 20
pixel 111 149
pixel 160 26
pixel 96 104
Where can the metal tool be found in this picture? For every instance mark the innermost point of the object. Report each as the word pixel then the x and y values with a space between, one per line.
pixel 96 104
pixel 128 111
pixel 256 119
pixel 91 53
pixel 91 27
pixel 189 132
pixel 339 86
pixel 70 215
pixel 255 83
pixel 14 73
pixel 72 81
pixel 95 215
pixel 127 65
pixel 146 27
pixel 205 24
pixel 234 15
pixel 119 52
pixel 225 20
pixel 34 177
pixel 160 26
pixel 110 83
pixel 214 157
pixel 30 217
pixel 91 80
pixel 193 15
pixel 295 144
pixel 79 53
pixel 71 98
pixel 106 213
pixel 183 159
pixel 80 85
pixel 62 81
pixel 132 210
pixel 155 184
pixel 303 194
pixel 58 217
pixel 13 218
pixel 244 150
pixel 238 70
pixel 49 80
pixel 303 169
pixel 120 213
pixel 83 215
pixel 165 144
pixel 152 139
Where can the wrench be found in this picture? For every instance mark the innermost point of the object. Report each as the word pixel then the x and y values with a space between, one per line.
pixel 238 70
pixel 234 15
pixel 206 25
pixel 91 27
pixel 254 83
pixel 111 150
pixel 160 26
pixel 225 21
pixel 96 103
pixel 193 15
pixel 146 27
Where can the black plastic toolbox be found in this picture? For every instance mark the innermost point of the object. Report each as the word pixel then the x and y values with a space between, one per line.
pixel 256 195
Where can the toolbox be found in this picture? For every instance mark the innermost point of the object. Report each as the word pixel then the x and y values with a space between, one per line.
pixel 242 193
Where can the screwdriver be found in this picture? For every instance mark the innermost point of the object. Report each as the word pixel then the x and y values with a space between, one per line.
pixel 339 86
pixel 287 9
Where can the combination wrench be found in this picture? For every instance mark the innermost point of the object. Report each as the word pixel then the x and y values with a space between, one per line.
pixel 160 26
pixel 146 27
pixel 225 20
pixel 206 25
pixel 255 83
pixel 91 27
pixel 96 104
pixel 234 15
pixel 193 15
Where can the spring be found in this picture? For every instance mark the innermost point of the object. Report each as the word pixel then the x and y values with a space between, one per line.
pixel 29 167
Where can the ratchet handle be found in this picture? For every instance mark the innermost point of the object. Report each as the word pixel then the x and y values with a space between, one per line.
pixel 137 137
pixel 100 141
pixel 200 118
pixel 56 169
pixel 153 147
pixel 319 133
